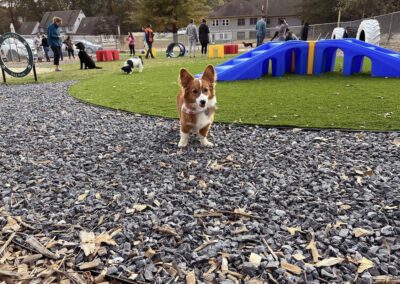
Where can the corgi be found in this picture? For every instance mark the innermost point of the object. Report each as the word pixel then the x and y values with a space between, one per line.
pixel 196 104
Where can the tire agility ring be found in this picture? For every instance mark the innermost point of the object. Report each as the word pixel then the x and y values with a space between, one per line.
pixel 170 50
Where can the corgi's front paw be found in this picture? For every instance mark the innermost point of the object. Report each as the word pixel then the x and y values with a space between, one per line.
pixel 204 142
pixel 183 143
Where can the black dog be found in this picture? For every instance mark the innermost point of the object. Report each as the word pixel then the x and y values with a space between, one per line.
pixel 248 44
pixel 85 58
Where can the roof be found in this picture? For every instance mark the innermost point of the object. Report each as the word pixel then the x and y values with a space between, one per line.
pixel 279 8
pixel 242 8
pixel 68 18
pixel 236 8
pixel 27 28
pixel 97 25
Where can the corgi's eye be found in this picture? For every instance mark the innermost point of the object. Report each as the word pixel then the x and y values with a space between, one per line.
pixel 205 90
pixel 195 91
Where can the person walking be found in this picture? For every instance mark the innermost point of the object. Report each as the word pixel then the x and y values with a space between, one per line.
pixel 203 36
pixel 304 32
pixel 131 43
pixel 149 41
pixel 144 38
pixel 261 27
pixel 54 40
pixel 37 42
pixel 282 30
pixel 69 45
pixel 45 46
pixel 276 33
pixel 191 32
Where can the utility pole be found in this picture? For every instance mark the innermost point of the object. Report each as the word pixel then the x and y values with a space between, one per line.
pixel 266 3
pixel 339 16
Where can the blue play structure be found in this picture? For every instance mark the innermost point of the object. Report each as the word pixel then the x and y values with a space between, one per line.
pixel 302 58
pixel 385 62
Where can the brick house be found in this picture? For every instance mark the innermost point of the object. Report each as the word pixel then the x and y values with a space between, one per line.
pixel 236 20
pixel 71 20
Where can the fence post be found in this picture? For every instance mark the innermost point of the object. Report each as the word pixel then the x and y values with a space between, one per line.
pixel 390 27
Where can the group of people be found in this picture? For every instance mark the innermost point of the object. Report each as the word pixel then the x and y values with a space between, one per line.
pixel 282 31
pixel 194 37
pixel 53 41
pixel 148 39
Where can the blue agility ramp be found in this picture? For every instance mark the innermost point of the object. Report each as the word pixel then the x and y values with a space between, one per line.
pixel 385 62
pixel 302 58
pixel 255 63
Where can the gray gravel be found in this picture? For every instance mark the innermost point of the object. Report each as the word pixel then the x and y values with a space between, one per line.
pixel 54 148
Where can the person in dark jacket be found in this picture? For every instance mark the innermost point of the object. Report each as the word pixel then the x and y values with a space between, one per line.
pixel 54 40
pixel 203 37
pixel 149 40
pixel 304 32
pixel 45 46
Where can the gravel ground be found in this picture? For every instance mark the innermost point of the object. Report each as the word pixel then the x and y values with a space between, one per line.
pixel 261 199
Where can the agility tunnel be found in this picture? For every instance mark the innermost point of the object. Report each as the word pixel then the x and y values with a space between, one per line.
pixel 310 58
pixel 170 50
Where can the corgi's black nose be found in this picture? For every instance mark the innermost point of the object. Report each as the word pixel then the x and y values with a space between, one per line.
pixel 202 102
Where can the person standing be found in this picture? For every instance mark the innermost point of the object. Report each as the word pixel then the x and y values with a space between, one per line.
pixel 37 42
pixel 144 38
pixel 45 46
pixel 261 27
pixel 69 45
pixel 304 32
pixel 191 32
pixel 149 41
pixel 131 43
pixel 203 36
pixel 282 30
pixel 54 40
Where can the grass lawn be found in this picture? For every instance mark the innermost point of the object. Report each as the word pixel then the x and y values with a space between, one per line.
pixel 325 101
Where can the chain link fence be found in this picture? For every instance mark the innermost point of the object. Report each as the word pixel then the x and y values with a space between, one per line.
pixel 389 26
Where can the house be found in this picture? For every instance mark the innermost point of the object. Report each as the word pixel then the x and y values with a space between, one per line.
pixel 236 20
pixel 100 25
pixel 28 28
pixel 71 20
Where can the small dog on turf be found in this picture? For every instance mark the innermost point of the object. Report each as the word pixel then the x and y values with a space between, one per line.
pixel 196 105
pixel 85 58
pixel 131 63
pixel 248 44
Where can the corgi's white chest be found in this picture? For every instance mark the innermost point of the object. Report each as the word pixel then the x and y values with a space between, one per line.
pixel 203 119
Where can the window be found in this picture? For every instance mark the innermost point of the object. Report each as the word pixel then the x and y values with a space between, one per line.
pixel 241 35
pixel 241 22
pixel 225 22
pixel 253 34
pixel 215 23
pixel 253 21
pixel 224 36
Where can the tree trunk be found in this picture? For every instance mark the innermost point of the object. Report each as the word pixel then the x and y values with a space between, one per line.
pixel 174 33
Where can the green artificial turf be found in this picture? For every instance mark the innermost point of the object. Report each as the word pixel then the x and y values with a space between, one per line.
pixel 329 100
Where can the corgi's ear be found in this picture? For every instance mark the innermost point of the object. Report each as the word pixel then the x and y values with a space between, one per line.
pixel 209 74
pixel 185 77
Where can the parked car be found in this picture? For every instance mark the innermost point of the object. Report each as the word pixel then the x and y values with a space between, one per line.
pixel 182 31
pixel 14 50
pixel 90 47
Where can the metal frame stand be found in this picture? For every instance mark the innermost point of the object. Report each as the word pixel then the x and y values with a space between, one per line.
pixel 4 76
pixel 34 72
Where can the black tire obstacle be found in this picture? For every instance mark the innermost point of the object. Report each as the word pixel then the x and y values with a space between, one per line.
pixel 170 50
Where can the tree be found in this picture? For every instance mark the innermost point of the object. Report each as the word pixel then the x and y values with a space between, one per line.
pixel 360 9
pixel 170 15
pixel 319 11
